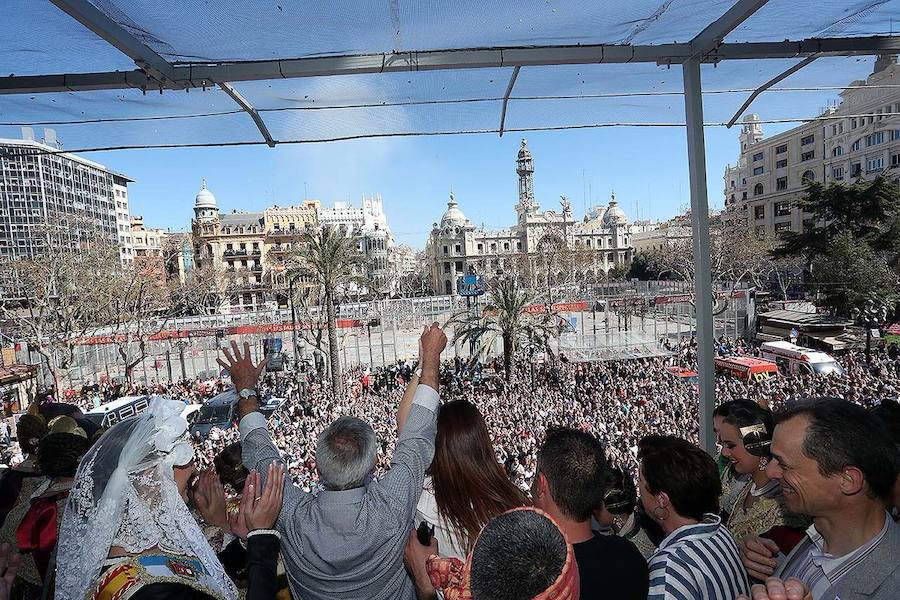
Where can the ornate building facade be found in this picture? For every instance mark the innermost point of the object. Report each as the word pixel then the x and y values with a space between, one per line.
pixel 456 245
pixel 251 247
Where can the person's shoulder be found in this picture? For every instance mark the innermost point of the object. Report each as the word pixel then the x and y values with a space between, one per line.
pixel 611 547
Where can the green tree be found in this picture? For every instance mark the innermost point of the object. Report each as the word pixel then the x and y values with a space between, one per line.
pixel 505 318
pixel 332 261
pixel 867 210
pixel 848 272
pixel 643 268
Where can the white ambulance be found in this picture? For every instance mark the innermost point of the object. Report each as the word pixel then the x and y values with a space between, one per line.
pixel 793 359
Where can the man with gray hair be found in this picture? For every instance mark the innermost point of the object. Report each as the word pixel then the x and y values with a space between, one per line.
pixel 347 541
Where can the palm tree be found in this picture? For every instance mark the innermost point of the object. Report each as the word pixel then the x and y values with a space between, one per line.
pixel 330 260
pixel 505 317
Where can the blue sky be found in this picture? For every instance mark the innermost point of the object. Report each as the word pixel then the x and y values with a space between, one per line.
pixel 645 167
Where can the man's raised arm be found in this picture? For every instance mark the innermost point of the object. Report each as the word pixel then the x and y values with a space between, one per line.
pixel 430 368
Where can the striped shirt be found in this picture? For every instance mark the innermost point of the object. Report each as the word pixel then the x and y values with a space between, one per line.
pixel 819 570
pixel 698 562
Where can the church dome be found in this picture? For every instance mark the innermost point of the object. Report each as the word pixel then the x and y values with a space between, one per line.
pixel 454 216
pixel 205 198
pixel 615 215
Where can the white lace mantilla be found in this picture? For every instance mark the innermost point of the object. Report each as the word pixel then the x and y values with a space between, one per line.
pixel 125 495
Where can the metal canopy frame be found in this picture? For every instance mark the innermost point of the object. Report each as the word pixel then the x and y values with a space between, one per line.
pixel 155 73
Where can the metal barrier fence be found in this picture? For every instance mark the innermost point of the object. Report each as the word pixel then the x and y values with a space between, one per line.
pixel 621 320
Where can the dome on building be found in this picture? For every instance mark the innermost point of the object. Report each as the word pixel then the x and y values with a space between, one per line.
pixel 614 215
pixel 205 198
pixel 453 216
pixel 524 152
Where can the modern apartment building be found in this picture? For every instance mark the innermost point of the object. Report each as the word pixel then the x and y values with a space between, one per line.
pixel 45 192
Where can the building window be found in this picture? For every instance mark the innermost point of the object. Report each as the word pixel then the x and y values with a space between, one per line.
pixel 518 245
pixel 895 134
pixel 837 173
pixel 758 189
pixel 875 138
pixel 480 247
pixel 446 250
pixel 837 151
pixel 808 155
pixel 807 140
pixel 459 266
pixel 874 164
pixel 759 212
pixel 895 161
pixel 853 124
pixel 808 177
pixel 781 149
pixel 448 287
pixel 758 171
pixel 781 227
pixel 446 267
pixel 781 183
pixel 458 248
pixel 506 245
pixel 781 163
pixel 587 243
pixel 855 169
pixel 854 146
pixel 757 156
pixel 782 209
pixel 493 247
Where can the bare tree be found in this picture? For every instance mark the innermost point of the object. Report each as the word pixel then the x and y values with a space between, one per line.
pixel 139 308
pixel 55 298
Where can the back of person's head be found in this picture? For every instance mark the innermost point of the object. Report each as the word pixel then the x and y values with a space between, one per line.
pixel 60 451
pixel 345 454
pixel 684 472
pixel 519 555
pixel 620 497
pixel 29 431
pixel 888 413
pixel 230 468
pixel 574 465
pixel 470 486
pixel 840 434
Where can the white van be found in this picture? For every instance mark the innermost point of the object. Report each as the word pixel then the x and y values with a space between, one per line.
pixel 107 415
pixel 793 359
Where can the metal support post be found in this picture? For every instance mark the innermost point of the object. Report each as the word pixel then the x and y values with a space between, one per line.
pixel 693 104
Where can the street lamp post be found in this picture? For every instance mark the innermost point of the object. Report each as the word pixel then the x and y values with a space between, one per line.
pixel 294 320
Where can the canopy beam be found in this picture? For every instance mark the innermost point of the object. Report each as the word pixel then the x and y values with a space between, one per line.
pixel 201 75
pixel 768 84
pixel 714 34
pixel 154 65
pixel 509 89
pixel 703 295
pixel 248 108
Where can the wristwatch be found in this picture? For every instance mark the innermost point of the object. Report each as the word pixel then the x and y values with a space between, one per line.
pixel 418 372
pixel 247 393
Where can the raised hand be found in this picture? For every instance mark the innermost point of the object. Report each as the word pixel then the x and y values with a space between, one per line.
pixel 259 509
pixel 244 374
pixel 209 496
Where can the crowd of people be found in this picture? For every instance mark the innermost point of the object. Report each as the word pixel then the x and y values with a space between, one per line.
pixel 429 479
